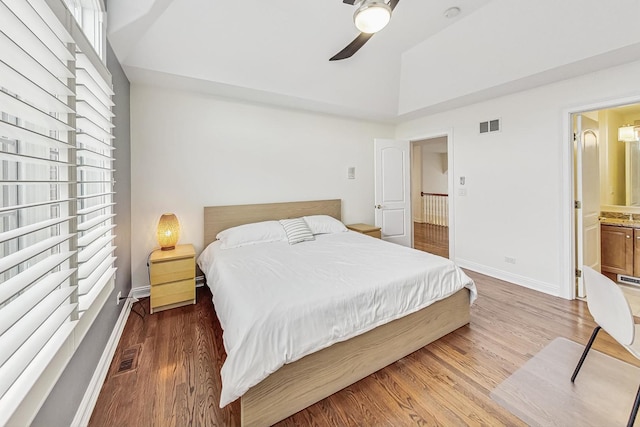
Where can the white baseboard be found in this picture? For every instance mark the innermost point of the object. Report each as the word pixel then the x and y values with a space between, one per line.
pixel 83 414
pixel 526 282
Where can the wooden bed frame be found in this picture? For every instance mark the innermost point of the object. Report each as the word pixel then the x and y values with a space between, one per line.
pixel 308 380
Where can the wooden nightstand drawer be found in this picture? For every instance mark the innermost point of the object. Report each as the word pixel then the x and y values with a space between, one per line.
pixel 169 293
pixel 171 271
pixel 375 233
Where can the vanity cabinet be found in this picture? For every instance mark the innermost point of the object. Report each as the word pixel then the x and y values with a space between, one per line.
pixel 620 251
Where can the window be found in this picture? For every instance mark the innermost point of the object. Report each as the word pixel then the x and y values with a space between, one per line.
pixel 56 199
pixel 89 15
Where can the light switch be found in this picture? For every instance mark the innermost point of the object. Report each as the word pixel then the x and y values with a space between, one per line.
pixel 351 172
pixel 462 180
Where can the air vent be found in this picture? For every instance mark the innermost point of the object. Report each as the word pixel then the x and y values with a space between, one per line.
pixel 128 360
pixel 490 126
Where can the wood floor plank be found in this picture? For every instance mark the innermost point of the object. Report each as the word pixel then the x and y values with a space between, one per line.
pixel 448 382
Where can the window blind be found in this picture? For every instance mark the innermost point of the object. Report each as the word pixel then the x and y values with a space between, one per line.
pixel 56 192
pixel 95 181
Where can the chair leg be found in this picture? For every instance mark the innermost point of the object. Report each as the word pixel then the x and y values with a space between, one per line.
pixel 634 411
pixel 584 354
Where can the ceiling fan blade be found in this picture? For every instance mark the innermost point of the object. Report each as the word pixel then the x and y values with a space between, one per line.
pixel 359 41
pixel 352 47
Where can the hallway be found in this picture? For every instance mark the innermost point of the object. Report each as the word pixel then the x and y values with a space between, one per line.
pixel 431 238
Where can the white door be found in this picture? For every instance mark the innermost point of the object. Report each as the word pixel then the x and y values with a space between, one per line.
pixel 588 196
pixel 392 190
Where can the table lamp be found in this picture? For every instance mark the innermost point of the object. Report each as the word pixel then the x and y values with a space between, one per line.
pixel 168 231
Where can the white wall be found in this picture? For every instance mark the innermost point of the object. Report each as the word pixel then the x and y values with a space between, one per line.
pixel 190 150
pixel 515 178
pixel 434 172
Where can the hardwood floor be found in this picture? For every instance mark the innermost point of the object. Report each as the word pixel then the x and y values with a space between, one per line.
pixel 431 238
pixel 177 382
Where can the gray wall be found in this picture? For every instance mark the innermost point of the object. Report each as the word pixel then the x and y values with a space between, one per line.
pixel 62 404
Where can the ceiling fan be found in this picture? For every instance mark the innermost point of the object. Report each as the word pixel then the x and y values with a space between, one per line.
pixel 370 17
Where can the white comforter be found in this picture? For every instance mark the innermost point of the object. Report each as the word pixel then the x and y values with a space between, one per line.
pixel 278 302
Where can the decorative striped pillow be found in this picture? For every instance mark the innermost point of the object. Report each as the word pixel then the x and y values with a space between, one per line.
pixel 297 230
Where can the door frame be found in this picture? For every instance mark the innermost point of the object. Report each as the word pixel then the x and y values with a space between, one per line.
pixel 567 213
pixel 450 182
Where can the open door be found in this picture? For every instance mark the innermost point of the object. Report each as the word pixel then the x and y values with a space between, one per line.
pixel 587 198
pixel 392 190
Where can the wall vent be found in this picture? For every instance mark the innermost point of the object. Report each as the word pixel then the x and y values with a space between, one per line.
pixel 490 126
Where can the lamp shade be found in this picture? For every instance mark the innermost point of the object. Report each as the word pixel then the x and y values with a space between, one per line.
pixel 372 16
pixel 168 231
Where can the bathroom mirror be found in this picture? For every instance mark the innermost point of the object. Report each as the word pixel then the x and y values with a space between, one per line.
pixel 619 161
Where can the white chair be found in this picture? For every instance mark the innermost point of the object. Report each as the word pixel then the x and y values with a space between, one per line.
pixel 611 311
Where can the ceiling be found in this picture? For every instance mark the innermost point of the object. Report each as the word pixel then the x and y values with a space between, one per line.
pixel 275 52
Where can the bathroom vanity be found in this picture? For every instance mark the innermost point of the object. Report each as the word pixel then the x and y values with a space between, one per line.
pixel 620 247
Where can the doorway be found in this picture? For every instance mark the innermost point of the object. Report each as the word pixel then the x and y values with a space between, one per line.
pixel 606 182
pixel 430 195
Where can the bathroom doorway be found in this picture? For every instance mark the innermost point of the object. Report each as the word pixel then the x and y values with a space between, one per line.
pixel 606 191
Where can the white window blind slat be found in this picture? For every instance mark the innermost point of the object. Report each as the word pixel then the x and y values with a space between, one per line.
pixel 32 205
pixel 86 268
pixel 95 208
pixel 13 367
pixel 85 63
pixel 21 256
pixel 23 231
pixel 50 18
pixel 19 282
pixel 89 238
pixel 90 250
pixel 39 298
pixel 22 35
pixel 27 13
pixel 25 64
pixel 86 153
pixel 88 80
pixel 85 284
pixel 87 126
pixel 84 94
pixel 21 387
pixel 87 110
pixel 87 225
pixel 85 301
pixel 92 196
pixel 29 113
pixel 11 131
pixel 17 83
pixel 14 157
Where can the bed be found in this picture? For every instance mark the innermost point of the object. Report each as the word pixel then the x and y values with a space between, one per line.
pixel 346 358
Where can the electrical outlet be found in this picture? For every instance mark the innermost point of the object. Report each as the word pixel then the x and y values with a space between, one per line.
pixel 118 297
pixel 509 260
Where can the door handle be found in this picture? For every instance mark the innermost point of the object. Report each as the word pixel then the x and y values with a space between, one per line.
pixel 378 206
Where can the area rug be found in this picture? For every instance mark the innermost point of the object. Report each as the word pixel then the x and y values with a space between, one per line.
pixel 541 393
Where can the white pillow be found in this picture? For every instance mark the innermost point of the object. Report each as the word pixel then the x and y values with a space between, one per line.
pixel 251 234
pixel 324 224
pixel 297 230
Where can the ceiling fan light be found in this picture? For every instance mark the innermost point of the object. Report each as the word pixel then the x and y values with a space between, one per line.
pixel 372 16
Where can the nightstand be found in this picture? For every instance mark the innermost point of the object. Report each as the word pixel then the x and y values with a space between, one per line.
pixel 172 276
pixel 369 230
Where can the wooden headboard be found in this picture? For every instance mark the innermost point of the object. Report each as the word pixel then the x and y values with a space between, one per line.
pixel 218 218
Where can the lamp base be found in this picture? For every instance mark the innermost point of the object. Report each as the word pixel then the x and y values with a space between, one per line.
pixel 168 248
